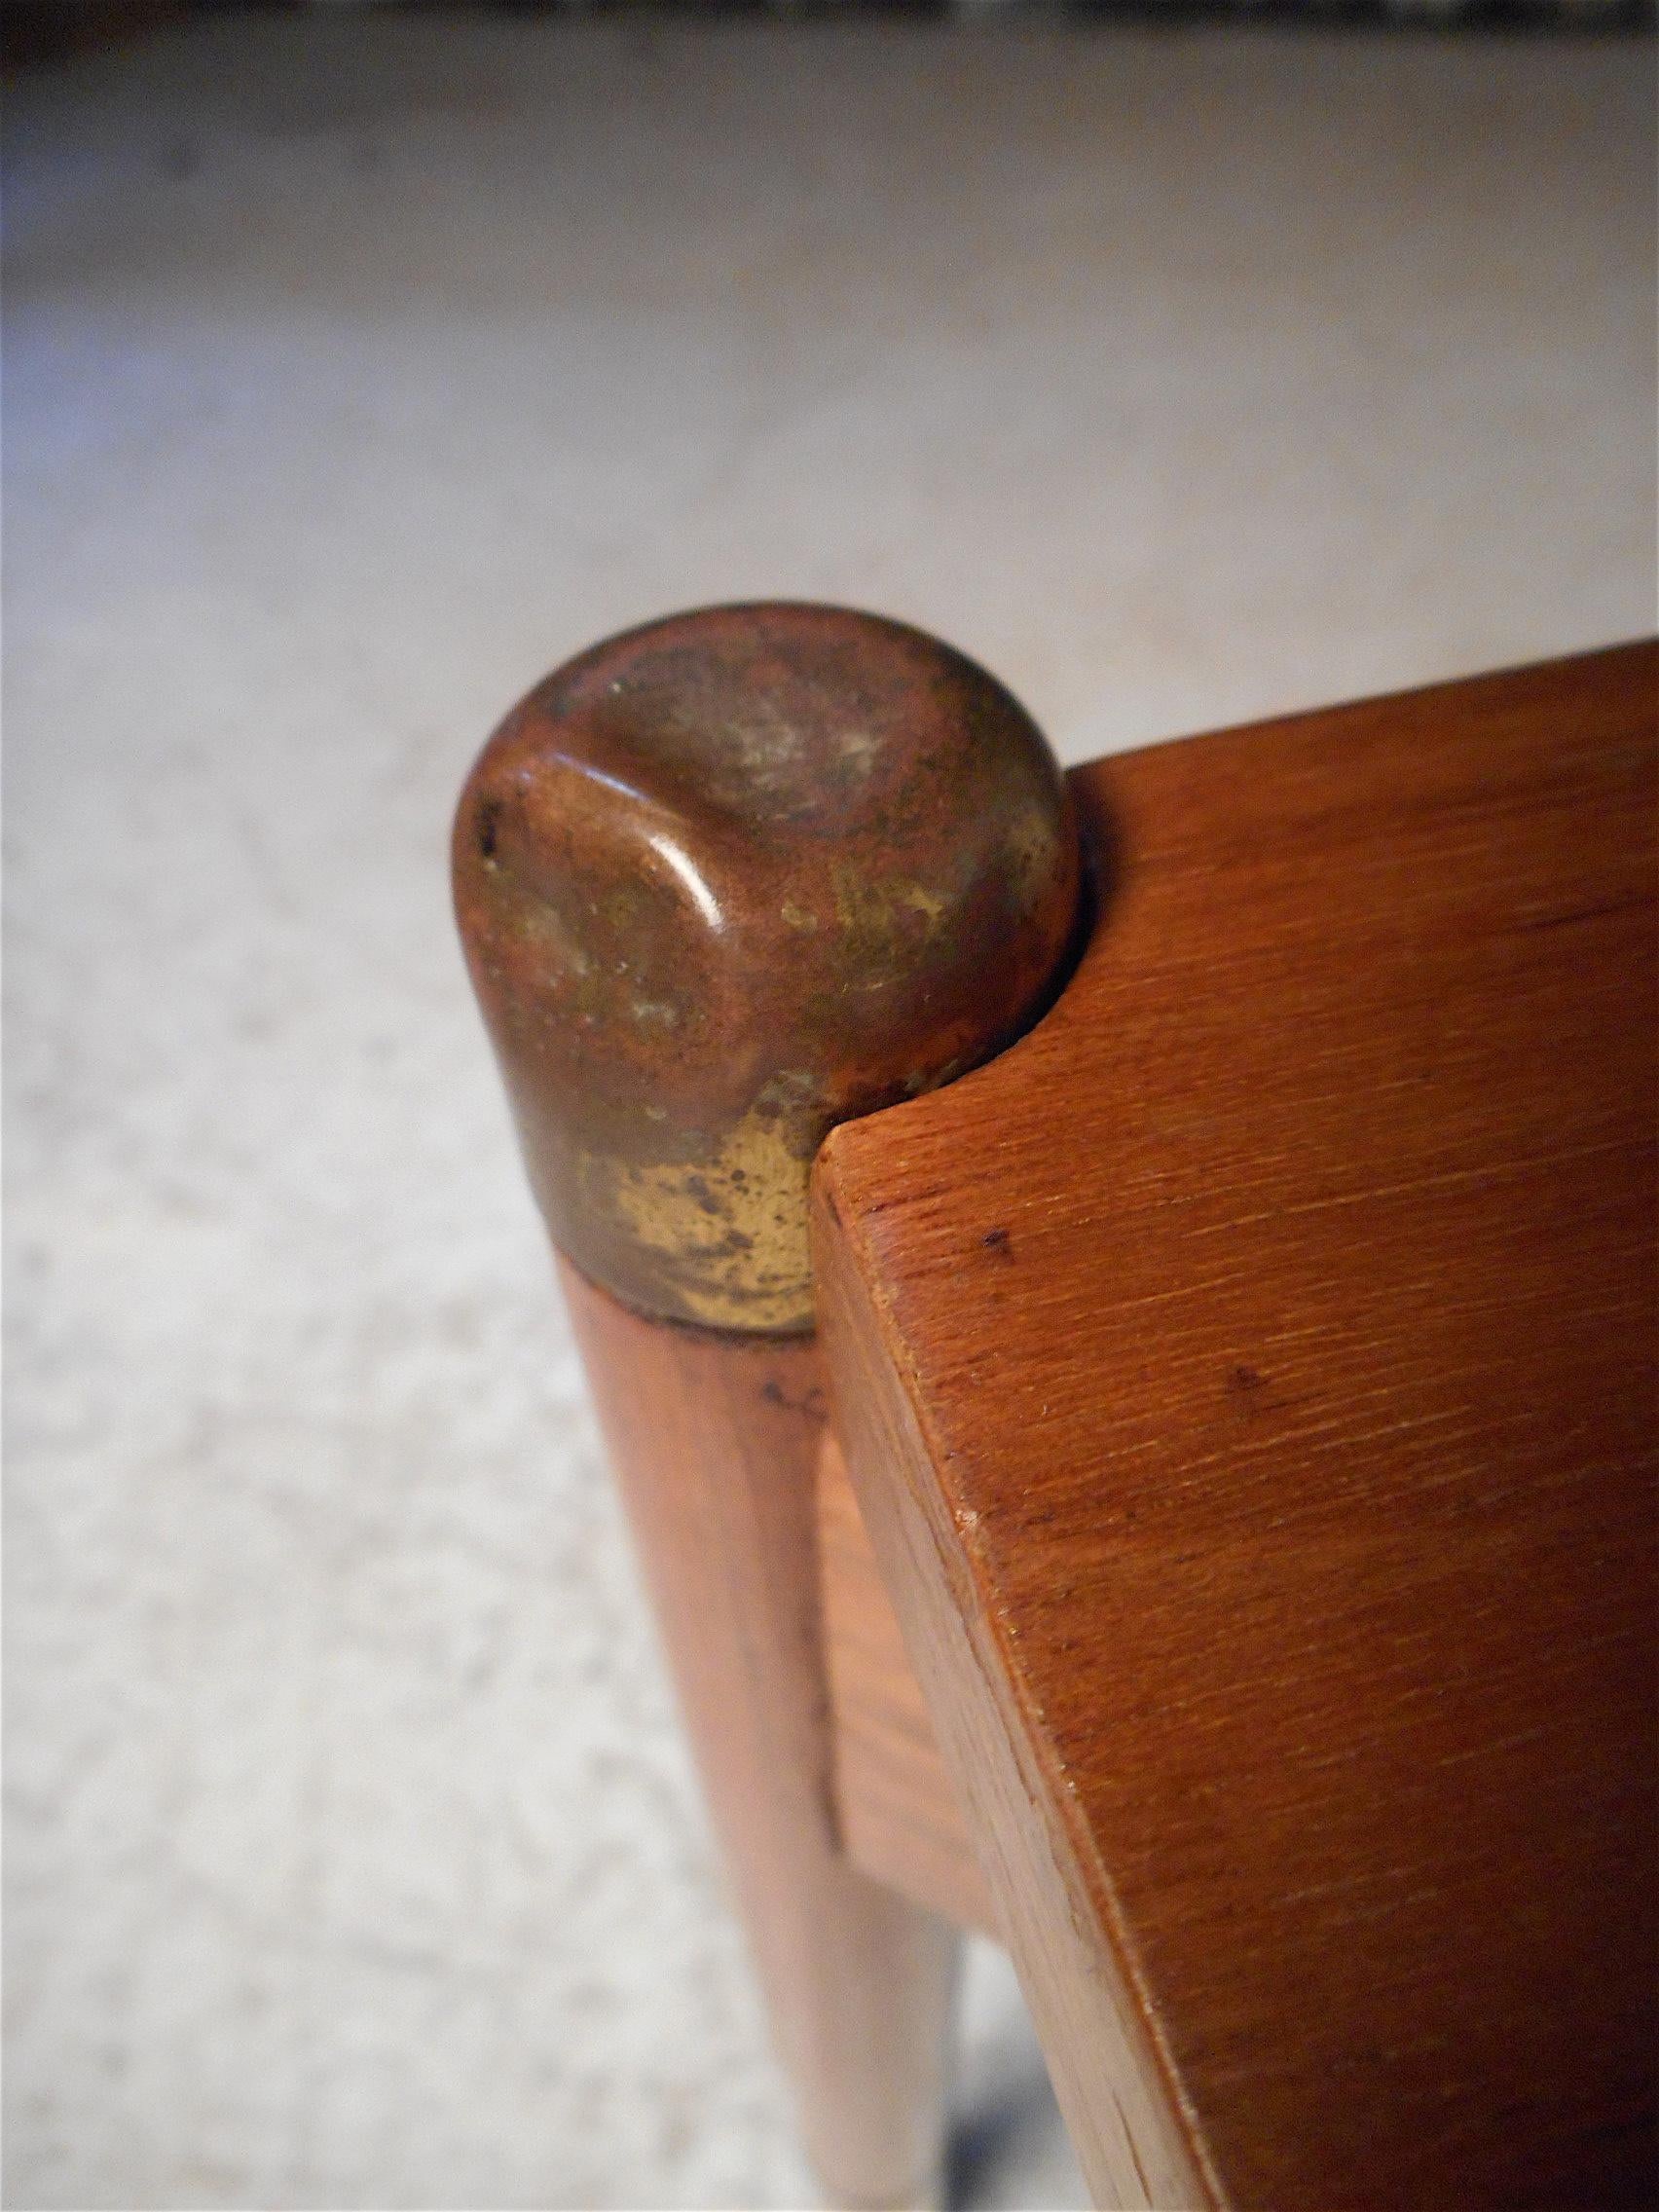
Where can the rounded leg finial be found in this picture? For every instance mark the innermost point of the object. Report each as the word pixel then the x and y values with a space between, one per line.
pixel 726 880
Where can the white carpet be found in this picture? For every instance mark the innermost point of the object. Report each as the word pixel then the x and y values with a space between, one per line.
pixel 356 371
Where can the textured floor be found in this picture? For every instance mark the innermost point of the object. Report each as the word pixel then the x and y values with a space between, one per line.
pixel 356 372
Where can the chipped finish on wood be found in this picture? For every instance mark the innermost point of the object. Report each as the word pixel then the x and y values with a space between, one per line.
pixel 896 1807
pixel 1262 1473
pixel 724 880
pixel 714 1442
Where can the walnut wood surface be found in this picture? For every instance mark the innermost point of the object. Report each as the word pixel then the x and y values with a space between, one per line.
pixel 897 1809
pixel 713 1441
pixel 1248 1381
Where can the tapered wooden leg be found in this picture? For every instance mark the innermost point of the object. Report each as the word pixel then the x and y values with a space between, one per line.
pixel 722 882
pixel 714 1441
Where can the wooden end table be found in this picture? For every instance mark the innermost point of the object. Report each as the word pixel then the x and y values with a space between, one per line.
pixel 1207 1540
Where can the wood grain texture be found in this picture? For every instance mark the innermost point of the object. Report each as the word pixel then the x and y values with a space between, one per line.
pixel 713 1441
pixel 897 1806
pixel 1248 1381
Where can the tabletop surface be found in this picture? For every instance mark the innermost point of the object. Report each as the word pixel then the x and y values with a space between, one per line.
pixel 1281 1315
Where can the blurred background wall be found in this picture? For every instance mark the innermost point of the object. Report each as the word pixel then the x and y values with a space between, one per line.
pixel 361 363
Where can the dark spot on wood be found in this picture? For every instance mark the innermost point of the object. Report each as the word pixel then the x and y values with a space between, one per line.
pixel 489 823
pixel 1580 914
pixel 999 1241
pixel 812 1404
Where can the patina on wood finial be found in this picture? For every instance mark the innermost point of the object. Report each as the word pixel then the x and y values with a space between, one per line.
pixel 724 882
